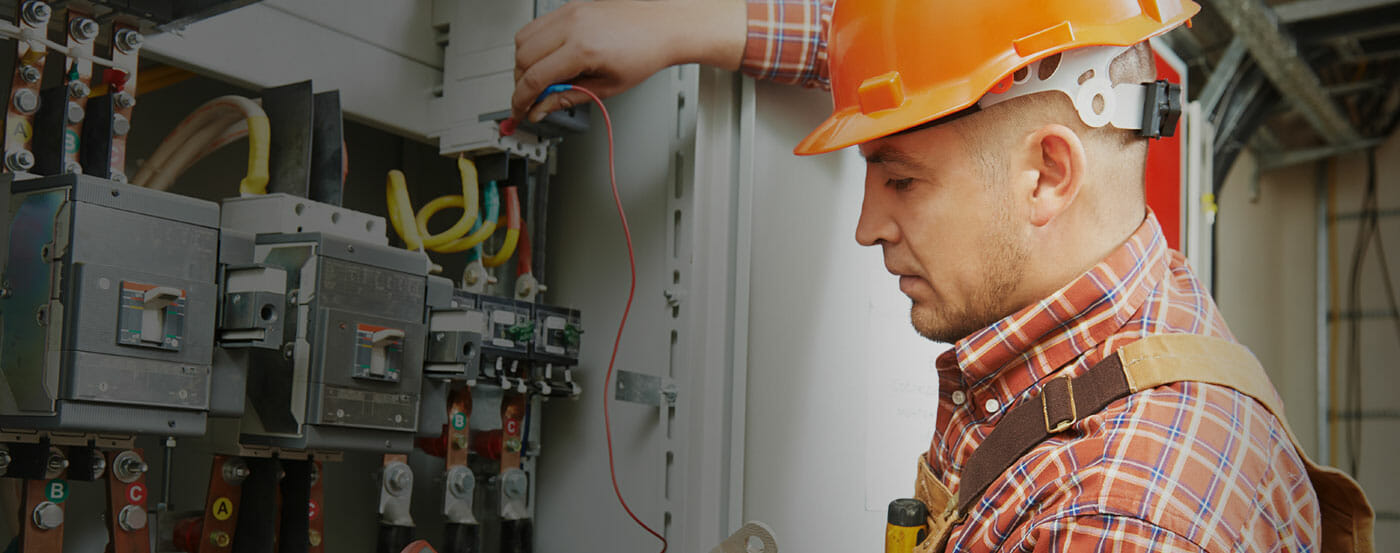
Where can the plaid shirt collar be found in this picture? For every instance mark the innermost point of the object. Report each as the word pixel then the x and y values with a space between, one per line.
pixel 1005 359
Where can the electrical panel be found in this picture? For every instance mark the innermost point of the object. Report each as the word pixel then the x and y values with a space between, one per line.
pixel 278 329
pixel 108 305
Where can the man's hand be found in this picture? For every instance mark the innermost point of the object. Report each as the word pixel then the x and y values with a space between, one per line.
pixel 609 47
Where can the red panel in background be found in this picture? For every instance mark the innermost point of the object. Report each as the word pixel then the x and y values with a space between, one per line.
pixel 1165 184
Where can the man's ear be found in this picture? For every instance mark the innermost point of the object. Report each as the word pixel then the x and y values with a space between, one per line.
pixel 1056 158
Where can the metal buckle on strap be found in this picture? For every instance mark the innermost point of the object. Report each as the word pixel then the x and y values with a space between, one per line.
pixel 1060 424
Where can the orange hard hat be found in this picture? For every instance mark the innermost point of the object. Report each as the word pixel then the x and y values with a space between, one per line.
pixel 897 64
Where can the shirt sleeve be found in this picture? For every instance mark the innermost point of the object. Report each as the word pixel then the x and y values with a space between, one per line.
pixel 1100 532
pixel 787 41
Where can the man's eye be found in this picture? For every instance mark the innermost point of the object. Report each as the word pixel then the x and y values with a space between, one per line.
pixel 899 184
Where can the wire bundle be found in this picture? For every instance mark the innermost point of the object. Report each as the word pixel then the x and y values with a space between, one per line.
pixel 479 220
pixel 213 125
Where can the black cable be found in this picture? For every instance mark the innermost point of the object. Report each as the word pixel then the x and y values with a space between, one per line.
pixel 1366 232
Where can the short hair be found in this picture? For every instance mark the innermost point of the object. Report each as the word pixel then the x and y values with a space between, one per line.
pixel 987 133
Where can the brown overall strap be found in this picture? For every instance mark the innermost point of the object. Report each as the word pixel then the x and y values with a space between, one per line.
pixel 1060 404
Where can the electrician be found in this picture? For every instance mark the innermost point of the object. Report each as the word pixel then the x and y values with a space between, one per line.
pixel 1005 145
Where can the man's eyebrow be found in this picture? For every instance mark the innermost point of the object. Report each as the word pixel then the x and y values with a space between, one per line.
pixel 888 155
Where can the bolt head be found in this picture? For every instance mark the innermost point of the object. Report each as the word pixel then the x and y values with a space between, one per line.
pixel 48 515
pixel 124 99
pixel 19 160
pixel 84 29
pixel 78 89
pixel 129 40
pixel 313 537
pixel 75 113
pixel 72 168
pixel 36 13
pixel 131 518
pixel 120 126
pixel 26 101
pixel 515 484
pixel 30 74
pixel 220 538
pixel 98 465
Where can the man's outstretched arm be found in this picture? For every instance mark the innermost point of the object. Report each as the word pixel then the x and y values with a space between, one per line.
pixel 609 47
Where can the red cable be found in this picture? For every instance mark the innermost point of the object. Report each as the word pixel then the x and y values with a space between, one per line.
pixel 631 290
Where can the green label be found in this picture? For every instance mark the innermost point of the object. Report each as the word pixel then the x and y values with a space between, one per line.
pixel 459 421
pixel 56 490
pixel 70 141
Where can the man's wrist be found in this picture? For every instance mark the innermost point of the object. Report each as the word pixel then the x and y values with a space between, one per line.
pixel 716 31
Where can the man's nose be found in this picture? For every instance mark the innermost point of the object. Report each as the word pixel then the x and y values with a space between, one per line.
pixel 875 225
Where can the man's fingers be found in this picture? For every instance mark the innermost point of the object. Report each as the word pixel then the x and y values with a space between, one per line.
pixel 555 102
pixel 531 51
pixel 560 66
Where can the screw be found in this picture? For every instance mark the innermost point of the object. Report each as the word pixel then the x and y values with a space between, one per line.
pixel 461 481
pixel 26 101
pixel 220 538
pixel 235 471
pixel 98 465
pixel 128 467
pixel 313 537
pixel 117 176
pixel 74 113
pixel 124 100
pixel 84 29
pixel 36 13
pixel 514 484
pixel 401 481
pixel 48 515
pixel 30 74
pixel 72 168
pixel 460 442
pixel 129 40
pixel 77 89
pixel 350 248
pixel 131 518
pixel 120 126
pixel 288 349
pixel 56 463
pixel 19 160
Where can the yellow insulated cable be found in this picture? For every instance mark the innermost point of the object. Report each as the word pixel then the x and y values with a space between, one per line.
pixel 414 229
pixel 259 148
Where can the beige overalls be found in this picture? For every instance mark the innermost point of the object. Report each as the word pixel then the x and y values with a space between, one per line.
pixel 1347 518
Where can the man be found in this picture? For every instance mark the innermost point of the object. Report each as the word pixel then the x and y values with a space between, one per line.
pixel 1005 144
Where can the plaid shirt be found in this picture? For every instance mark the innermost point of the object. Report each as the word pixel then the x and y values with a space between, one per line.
pixel 1185 467
pixel 787 41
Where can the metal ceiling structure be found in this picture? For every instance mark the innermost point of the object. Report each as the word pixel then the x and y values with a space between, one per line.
pixel 1295 81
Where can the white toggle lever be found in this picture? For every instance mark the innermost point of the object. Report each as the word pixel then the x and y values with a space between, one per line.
pixel 379 343
pixel 153 305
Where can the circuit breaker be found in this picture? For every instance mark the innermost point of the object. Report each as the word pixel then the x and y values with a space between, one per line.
pixel 348 375
pixel 107 307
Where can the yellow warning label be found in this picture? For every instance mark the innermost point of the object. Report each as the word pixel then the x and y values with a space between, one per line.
pixel 19 131
pixel 223 508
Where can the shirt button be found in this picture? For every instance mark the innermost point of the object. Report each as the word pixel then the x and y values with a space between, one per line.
pixel 959 397
pixel 993 405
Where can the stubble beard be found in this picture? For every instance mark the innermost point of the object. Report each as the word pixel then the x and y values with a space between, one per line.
pixel 943 322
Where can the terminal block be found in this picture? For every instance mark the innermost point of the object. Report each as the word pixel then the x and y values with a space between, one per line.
pixel 505 350
pixel 108 303
pixel 349 373
pixel 558 333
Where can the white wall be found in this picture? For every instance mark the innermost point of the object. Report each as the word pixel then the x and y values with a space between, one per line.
pixel 832 357
pixel 1267 291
